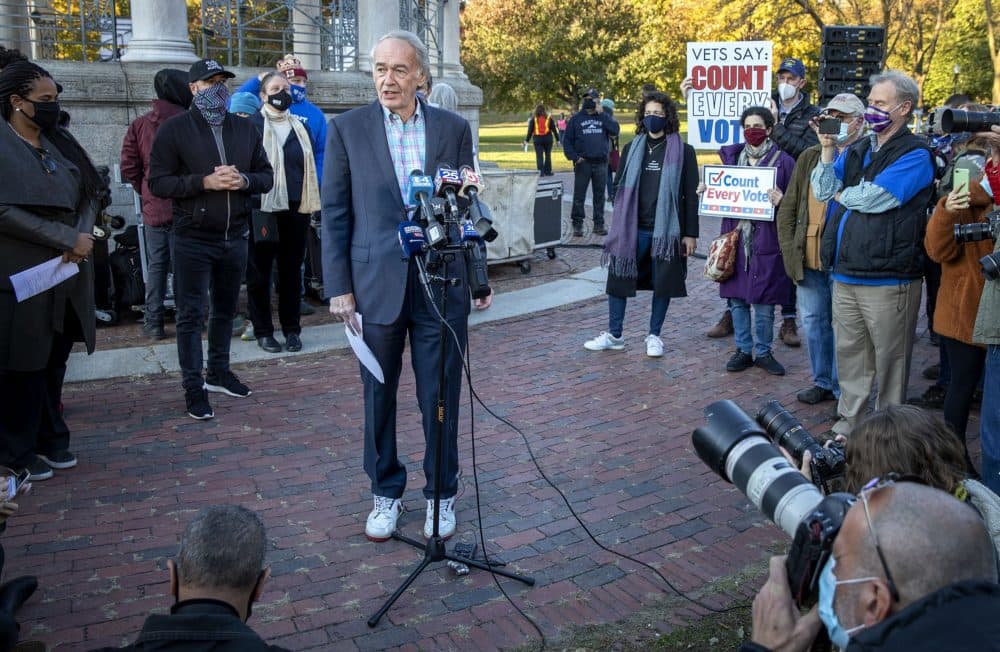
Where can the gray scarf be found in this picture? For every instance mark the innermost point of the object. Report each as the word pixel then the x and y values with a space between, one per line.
pixel 620 244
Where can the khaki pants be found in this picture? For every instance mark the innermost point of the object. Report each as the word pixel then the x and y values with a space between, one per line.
pixel 873 329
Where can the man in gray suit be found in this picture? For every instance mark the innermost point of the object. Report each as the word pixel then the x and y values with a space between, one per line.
pixel 370 154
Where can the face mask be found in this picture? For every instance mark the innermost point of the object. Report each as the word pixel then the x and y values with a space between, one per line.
pixel 280 100
pixel 878 119
pixel 828 584
pixel 755 135
pixel 298 93
pixel 46 114
pixel 212 103
pixel 845 133
pixel 786 91
pixel 654 124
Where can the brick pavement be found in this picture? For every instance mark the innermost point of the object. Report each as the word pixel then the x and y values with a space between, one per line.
pixel 611 429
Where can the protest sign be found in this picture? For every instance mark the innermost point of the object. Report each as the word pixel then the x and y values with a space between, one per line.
pixel 725 79
pixel 738 192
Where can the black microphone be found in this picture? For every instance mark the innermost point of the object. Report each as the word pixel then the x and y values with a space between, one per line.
pixel 447 183
pixel 418 194
pixel 471 184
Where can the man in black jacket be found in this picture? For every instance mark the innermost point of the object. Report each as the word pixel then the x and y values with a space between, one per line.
pixel 210 163
pixel 912 569
pixel 793 112
pixel 587 142
pixel 218 575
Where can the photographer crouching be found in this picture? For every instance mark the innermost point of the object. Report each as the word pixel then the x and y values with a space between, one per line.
pixel 893 581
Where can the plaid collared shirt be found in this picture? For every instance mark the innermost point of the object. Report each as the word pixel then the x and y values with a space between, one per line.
pixel 407 145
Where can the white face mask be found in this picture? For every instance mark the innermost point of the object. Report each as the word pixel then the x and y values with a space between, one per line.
pixel 786 91
pixel 845 132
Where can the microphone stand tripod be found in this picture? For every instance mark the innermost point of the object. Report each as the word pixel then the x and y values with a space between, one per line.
pixel 434 548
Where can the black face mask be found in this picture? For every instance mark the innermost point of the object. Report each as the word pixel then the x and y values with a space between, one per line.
pixel 46 114
pixel 280 100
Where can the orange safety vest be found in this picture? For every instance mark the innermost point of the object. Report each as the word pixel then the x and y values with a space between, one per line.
pixel 542 126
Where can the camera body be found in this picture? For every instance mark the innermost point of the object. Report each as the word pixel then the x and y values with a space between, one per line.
pixel 827 464
pixel 736 447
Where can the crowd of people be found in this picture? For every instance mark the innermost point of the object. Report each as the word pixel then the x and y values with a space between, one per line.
pixel 231 185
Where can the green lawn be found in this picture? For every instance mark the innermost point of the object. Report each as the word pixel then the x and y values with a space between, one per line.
pixel 501 141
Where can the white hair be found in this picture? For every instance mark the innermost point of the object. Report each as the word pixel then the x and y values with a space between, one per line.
pixel 415 43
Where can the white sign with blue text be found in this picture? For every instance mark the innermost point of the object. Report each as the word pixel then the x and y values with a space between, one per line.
pixel 725 79
pixel 738 192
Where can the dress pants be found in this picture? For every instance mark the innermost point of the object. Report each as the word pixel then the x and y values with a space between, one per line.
pixel 419 320
pixel 873 329
pixel 198 265
pixel 592 173
pixel 288 252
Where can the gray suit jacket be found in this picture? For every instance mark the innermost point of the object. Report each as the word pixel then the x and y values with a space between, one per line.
pixel 362 208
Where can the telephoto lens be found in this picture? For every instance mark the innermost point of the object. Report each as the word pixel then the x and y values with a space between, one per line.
pixel 786 430
pixel 953 120
pixel 738 449
pixel 973 232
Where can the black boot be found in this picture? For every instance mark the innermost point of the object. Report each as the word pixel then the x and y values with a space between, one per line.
pixel 16 592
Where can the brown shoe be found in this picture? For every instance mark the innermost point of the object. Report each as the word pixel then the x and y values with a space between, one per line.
pixel 724 328
pixel 789 333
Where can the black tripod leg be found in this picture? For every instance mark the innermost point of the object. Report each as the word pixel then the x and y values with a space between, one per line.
pixel 402 589
pixel 530 581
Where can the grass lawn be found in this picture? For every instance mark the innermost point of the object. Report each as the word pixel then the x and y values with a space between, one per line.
pixel 500 142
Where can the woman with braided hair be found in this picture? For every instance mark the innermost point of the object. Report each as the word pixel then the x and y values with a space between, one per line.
pixel 49 200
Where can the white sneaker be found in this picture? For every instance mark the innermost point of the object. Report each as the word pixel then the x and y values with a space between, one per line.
pixel 446 519
pixel 382 519
pixel 654 346
pixel 604 342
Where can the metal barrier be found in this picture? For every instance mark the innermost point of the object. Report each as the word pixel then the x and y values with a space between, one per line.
pixel 425 18
pixel 76 30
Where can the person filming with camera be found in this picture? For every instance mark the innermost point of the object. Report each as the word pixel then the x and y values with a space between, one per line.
pixel 893 582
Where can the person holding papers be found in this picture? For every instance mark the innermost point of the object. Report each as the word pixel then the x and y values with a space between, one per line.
pixel 49 200
pixel 759 278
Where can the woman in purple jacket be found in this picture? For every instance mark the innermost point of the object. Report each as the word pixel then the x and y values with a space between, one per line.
pixel 759 278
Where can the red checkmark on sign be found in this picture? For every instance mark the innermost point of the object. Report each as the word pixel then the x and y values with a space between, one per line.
pixel 716 178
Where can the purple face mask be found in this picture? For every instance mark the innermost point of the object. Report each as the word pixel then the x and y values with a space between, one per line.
pixel 878 119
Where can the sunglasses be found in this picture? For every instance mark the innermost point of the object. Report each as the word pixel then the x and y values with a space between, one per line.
pixel 870 488
pixel 48 163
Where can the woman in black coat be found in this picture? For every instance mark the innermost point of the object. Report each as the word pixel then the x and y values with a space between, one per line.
pixel 49 201
pixel 654 227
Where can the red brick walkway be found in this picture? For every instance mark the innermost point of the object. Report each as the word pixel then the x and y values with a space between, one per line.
pixel 612 430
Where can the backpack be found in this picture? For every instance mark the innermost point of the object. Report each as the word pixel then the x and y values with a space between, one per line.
pixel 126 271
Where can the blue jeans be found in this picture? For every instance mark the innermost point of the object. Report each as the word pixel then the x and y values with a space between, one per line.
pixel 200 264
pixel 763 327
pixel 616 305
pixel 159 256
pixel 989 420
pixel 815 293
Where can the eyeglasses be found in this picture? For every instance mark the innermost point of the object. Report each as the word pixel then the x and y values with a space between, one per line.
pixel 874 485
pixel 46 159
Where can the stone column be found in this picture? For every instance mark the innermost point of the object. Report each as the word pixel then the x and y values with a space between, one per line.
pixel 450 39
pixel 160 32
pixel 375 18
pixel 305 17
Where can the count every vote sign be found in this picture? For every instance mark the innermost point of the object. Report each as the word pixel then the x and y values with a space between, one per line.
pixel 725 79
pixel 738 192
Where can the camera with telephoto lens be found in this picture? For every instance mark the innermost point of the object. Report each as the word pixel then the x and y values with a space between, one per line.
pixel 979 230
pixel 737 448
pixel 826 465
pixel 952 120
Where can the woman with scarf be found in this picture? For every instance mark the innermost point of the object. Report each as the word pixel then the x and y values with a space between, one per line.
pixel 654 226
pixel 759 278
pixel 288 205
pixel 49 201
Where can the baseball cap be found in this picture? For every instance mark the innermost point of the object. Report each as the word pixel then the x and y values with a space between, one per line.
pixel 592 92
pixel 206 68
pixel 794 66
pixel 847 103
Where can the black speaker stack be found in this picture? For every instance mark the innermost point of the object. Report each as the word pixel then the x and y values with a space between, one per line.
pixel 849 56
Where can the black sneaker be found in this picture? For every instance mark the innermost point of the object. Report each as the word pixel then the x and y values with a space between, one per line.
pixel 227 383
pixel 814 395
pixel 293 343
pixel 197 404
pixel 600 229
pixel 739 361
pixel 770 365
pixel 39 471
pixel 59 459
pixel 932 399
pixel 154 331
